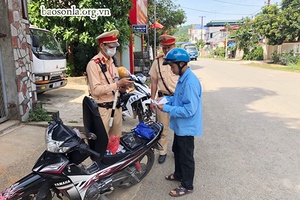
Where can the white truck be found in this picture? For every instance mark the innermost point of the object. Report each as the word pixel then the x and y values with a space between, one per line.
pixel 49 61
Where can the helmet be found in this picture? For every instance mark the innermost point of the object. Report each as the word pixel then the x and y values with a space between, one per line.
pixel 123 72
pixel 176 55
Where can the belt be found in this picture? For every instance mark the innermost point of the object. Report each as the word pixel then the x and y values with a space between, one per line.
pixel 109 105
pixel 160 94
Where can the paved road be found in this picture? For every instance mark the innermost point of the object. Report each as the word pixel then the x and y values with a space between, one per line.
pixel 251 144
pixel 250 147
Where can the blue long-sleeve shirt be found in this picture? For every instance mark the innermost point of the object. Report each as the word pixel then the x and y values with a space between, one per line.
pixel 185 107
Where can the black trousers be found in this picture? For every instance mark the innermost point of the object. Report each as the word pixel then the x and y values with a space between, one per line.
pixel 183 148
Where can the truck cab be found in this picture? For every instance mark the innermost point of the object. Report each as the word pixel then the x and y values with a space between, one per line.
pixel 192 51
pixel 49 61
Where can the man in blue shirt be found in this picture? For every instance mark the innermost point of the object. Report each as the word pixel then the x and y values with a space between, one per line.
pixel 185 110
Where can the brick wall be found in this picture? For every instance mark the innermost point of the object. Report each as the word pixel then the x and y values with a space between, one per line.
pixel 22 54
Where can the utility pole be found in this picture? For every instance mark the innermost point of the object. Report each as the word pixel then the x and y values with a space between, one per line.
pixel 226 41
pixel 201 35
pixel 202 27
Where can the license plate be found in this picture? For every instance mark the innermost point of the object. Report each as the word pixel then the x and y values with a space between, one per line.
pixel 57 84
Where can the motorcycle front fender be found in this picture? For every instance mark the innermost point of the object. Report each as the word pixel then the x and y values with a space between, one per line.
pixel 27 185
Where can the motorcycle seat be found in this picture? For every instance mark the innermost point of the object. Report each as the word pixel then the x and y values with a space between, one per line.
pixel 93 124
pixel 111 159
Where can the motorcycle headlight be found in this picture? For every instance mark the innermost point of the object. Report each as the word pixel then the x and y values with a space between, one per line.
pixel 54 146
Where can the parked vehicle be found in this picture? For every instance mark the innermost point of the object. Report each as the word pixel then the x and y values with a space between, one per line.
pixel 192 50
pixel 137 101
pixel 59 172
pixel 49 61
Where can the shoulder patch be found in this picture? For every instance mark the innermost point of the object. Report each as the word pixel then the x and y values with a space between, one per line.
pixel 96 60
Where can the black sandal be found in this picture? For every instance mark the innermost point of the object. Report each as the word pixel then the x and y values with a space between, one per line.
pixel 171 177
pixel 180 191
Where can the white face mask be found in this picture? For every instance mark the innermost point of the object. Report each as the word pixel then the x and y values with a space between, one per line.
pixel 111 51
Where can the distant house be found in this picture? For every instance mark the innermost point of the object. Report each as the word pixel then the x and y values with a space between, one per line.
pixel 216 31
pixel 197 33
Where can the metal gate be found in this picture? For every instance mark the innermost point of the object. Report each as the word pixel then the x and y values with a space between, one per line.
pixel 3 110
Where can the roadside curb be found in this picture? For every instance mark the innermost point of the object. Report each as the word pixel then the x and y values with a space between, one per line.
pixel 8 126
pixel 44 124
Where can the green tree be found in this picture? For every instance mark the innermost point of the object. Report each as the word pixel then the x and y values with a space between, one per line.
pixel 268 24
pixel 200 45
pixel 79 32
pixel 246 36
pixel 168 14
pixel 279 25
pixel 182 30
pixel 182 38
pixel 291 19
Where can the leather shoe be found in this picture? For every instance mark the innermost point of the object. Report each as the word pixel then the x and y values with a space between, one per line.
pixel 162 158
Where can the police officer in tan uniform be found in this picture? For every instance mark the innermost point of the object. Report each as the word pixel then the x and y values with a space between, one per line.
pixel 103 81
pixel 163 82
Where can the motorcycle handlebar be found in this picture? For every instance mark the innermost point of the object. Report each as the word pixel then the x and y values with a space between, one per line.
pixel 86 148
pixel 133 78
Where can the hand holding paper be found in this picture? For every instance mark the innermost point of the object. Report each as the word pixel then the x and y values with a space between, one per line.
pixel 162 101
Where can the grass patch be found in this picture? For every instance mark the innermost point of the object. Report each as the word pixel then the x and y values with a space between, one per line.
pixel 290 68
pixel 39 115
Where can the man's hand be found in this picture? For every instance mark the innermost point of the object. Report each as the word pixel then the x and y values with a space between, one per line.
pixel 124 83
pixel 153 107
pixel 159 98
pixel 160 107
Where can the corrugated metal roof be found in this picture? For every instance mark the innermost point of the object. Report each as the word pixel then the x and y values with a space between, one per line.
pixel 221 23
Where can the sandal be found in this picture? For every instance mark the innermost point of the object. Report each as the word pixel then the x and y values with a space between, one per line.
pixel 171 177
pixel 180 191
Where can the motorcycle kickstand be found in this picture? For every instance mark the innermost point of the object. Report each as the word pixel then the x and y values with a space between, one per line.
pixel 131 173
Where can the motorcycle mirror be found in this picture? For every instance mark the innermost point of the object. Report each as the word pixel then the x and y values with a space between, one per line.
pixel 141 77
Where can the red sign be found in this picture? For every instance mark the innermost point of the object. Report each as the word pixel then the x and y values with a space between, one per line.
pixel 138 13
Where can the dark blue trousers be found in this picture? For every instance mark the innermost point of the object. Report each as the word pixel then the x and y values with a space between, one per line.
pixel 183 148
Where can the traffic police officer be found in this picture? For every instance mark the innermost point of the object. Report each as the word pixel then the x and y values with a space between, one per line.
pixel 163 82
pixel 103 81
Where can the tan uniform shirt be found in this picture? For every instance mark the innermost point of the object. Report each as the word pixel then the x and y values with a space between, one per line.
pixel 169 77
pixel 100 90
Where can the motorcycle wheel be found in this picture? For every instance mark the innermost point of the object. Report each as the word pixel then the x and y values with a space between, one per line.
pixel 32 196
pixel 146 162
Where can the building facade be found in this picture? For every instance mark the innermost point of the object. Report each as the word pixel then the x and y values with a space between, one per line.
pixel 215 35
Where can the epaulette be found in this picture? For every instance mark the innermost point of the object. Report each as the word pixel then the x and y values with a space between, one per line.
pixel 96 60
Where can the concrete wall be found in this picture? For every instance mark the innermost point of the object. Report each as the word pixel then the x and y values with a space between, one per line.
pixel 9 73
pixel 17 59
pixel 217 35
pixel 285 47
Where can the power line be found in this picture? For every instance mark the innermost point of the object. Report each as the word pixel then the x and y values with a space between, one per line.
pixel 237 4
pixel 212 11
